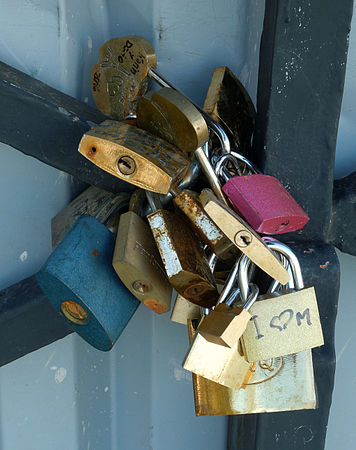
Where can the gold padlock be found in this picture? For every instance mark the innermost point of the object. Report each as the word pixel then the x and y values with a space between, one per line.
pixel 137 262
pixel 283 324
pixel 188 202
pixel 120 76
pixel 228 102
pixel 134 155
pixel 168 114
pixel 243 236
pixel 280 384
pixel 183 256
pixel 218 363
pixel 183 310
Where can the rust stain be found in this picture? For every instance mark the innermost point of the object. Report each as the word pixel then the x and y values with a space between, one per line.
pixel 95 253
pixel 324 266
pixel 309 250
pixel 156 307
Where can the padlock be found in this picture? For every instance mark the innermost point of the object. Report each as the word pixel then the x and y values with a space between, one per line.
pixel 80 282
pixel 183 257
pixel 225 326
pixel 283 324
pixel 171 116
pixel 92 201
pixel 133 56
pixel 243 236
pixel 119 77
pixel 218 363
pixel 188 202
pixel 134 155
pixel 184 310
pixel 137 262
pixel 280 384
pixel 262 200
pixel 285 383
pixel 228 102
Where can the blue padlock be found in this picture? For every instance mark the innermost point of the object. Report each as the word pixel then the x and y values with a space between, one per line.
pixel 79 281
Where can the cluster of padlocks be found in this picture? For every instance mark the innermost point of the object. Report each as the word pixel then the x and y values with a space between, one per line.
pixel 197 223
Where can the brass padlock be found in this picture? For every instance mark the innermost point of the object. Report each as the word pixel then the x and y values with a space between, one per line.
pixel 120 76
pixel 134 155
pixel 228 102
pixel 188 202
pixel 183 256
pixel 137 262
pixel 184 310
pixel 218 363
pixel 243 236
pixel 283 324
pixel 168 114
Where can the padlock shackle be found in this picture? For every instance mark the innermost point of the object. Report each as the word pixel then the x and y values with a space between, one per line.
pixel 252 296
pixel 294 264
pixel 210 173
pixel 230 283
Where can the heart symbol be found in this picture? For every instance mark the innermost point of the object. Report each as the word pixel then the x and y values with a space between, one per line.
pixel 288 314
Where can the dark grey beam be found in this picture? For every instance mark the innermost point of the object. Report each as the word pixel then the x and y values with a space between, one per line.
pixel 342 231
pixel 27 321
pixel 301 77
pixel 48 125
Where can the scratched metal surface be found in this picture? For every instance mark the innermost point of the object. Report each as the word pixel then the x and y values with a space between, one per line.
pixel 68 395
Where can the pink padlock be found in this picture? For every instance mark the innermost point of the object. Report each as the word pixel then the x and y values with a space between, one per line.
pixel 263 201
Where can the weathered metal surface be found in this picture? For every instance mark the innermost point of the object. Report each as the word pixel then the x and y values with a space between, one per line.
pixel 134 155
pixel 228 102
pixel 170 115
pixel 80 271
pixel 342 231
pixel 183 257
pixel 120 75
pixel 93 202
pixel 27 321
pixel 137 262
pixel 188 202
pixel 48 125
pixel 243 236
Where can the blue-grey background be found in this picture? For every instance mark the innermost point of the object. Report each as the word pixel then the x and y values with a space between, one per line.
pixel 68 395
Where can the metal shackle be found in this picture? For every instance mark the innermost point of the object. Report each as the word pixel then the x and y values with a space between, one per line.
pixel 292 259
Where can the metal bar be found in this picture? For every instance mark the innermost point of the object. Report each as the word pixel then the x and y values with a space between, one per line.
pixel 48 125
pixel 27 321
pixel 301 76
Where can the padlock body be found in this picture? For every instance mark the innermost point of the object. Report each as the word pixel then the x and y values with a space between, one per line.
pixel 224 325
pixel 120 75
pixel 134 155
pixel 281 384
pixel 282 325
pixel 183 257
pixel 80 271
pixel 188 202
pixel 223 365
pixel 138 263
pixel 265 204
pixel 183 310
